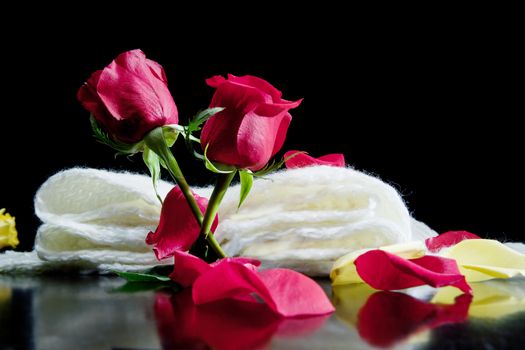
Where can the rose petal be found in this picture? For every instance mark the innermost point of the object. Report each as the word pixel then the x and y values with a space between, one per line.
pixel 178 229
pixel 258 136
pixel 301 160
pixel 389 317
pixel 448 239
pixel 252 127
pixel 258 83
pixel 286 292
pixel 187 268
pixel 344 271
pixel 484 259
pixel 129 83
pixel 215 81
pixel 386 271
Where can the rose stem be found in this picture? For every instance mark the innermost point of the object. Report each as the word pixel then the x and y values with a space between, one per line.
pixel 222 185
pixel 163 151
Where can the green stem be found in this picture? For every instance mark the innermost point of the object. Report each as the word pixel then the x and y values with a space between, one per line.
pixel 223 182
pixel 156 142
pixel 178 177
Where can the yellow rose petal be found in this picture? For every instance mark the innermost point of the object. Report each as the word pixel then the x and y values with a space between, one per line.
pixel 8 234
pixel 484 259
pixel 344 271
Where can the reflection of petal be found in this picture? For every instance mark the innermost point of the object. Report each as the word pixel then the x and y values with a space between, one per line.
pixel 483 259
pixel 301 327
pixel 389 317
pixel 226 324
pixel 492 299
pixel 349 299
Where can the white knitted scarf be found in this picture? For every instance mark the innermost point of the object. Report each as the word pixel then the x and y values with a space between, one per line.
pixel 302 219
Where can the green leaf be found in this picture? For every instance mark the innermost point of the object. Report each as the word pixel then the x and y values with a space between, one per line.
pixel 216 168
pixel 206 114
pixel 202 116
pixel 246 177
pixel 155 274
pixel 136 287
pixel 152 161
pixel 273 166
pixel 121 147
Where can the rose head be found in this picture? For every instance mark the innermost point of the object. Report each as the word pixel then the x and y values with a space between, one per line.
pixel 130 97
pixel 252 127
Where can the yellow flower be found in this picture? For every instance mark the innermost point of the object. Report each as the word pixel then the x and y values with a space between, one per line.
pixel 8 234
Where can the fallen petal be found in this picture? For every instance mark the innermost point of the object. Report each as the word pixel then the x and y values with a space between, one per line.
pixel 298 159
pixel 484 259
pixel 286 292
pixel 448 239
pixel 344 271
pixel 187 268
pixel 386 271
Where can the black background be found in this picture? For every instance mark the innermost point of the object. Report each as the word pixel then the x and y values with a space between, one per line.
pixel 438 120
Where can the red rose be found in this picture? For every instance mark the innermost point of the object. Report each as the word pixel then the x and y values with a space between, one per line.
pixel 252 127
pixel 130 97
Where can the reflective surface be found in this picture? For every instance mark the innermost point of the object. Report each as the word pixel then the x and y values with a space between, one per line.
pixel 90 313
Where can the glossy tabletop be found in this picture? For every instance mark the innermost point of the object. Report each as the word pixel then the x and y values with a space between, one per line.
pixel 67 312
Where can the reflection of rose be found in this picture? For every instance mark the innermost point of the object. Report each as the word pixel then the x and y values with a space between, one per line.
pixel 8 234
pixel 226 324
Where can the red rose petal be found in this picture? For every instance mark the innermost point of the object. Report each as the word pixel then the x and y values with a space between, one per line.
pixel 448 239
pixel 301 160
pixel 178 229
pixel 389 317
pixel 129 97
pixel 187 268
pixel 253 125
pixel 286 292
pixel 386 271
pixel 294 294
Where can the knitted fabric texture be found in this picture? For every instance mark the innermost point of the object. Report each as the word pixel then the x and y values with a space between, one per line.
pixel 302 219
